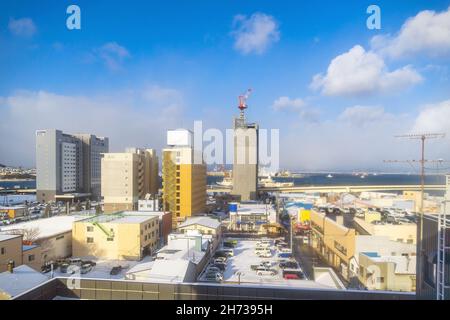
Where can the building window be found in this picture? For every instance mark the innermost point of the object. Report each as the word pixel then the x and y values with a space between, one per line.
pixel 90 240
pixel 145 238
pixel 380 279
pixel 31 257
pixel 90 229
pixel 3 250
pixel 110 239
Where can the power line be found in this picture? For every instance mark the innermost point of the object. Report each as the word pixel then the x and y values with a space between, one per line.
pixel 422 137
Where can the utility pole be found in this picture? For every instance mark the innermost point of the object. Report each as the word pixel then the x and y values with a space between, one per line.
pixel 422 137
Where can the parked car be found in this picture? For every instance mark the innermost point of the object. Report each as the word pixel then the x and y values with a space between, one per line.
pixel 261 271
pixel 289 265
pixel 229 252
pixel 220 254
pixel 91 263
pixel 213 277
pixel 264 254
pixel 64 267
pixel 220 260
pixel 115 270
pixel 85 268
pixel 213 269
pixel 221 266
pixel 293 274
pixel 285 255
pixel 47 267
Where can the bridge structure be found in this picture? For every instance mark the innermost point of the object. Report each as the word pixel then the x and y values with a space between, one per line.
pixel 300 189
pixel 340 189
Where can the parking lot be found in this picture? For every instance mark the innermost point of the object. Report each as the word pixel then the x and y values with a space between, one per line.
pixel 239 267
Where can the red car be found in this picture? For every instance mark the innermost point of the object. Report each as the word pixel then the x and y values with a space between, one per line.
pixel 291 276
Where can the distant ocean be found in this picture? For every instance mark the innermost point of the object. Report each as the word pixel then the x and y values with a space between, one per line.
pixel 313 179
pixel 338 179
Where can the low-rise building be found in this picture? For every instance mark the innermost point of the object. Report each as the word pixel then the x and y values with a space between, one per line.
pixel 10 250
pixel 342 247
pixel 53 235
pixel 205 225
pixel 251 216
pixel 121 236
pixel 402 232
pixel 14 212
pixel 19 280
pixel 388 273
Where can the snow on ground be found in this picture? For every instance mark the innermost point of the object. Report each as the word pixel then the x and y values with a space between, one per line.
pixel 244 257
pixel 103 268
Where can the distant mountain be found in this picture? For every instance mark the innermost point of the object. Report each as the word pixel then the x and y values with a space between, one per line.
pixel 2 166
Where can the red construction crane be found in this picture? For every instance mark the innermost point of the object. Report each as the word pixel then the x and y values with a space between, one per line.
pixel 243 100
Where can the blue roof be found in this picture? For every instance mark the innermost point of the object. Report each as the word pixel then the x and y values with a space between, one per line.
pixel 29 247
pixel 371 254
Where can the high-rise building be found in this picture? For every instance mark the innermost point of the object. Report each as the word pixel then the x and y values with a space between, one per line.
pixel 184 177
pixel 128 177
pixel 246 159
pixel 68 164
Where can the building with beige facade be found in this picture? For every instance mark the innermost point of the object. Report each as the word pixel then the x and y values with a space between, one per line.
pixel 347 251
pixel 10 250
pixel 184 177
pixel 128 177
pixel 404 232
pixel 119 236
pixel 388 273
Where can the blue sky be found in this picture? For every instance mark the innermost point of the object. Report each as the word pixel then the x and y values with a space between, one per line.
pixel 137 68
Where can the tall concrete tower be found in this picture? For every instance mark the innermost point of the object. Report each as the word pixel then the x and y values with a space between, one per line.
pixel 246 159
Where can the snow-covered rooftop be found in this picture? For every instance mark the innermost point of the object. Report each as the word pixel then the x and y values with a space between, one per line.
pixel 22 279
pixel 203 221
pixel 5 237
pixel 48 227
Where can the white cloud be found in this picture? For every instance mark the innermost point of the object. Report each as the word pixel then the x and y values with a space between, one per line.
pixel 24 27
pixel 427 32
pixel 359 72
pixel 255 34
pixel 298 106
pixel 362 115
pixel 128 117
pixel 434 118
pixel 112 54
pixel 286 103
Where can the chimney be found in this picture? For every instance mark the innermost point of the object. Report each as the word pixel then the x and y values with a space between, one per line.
pixel 11 265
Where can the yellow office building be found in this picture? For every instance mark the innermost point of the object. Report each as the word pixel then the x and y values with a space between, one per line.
pixel 184 183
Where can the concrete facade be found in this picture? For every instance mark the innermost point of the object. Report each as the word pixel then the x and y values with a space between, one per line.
pixel 10 249
pixel 246 159
pixel 68 163
pixel 128 177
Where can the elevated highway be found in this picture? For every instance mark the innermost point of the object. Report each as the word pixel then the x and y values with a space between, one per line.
pixel 353 188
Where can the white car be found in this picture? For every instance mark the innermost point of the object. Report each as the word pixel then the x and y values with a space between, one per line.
pixel 264 254
pixel 213 269
pixel 261 271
